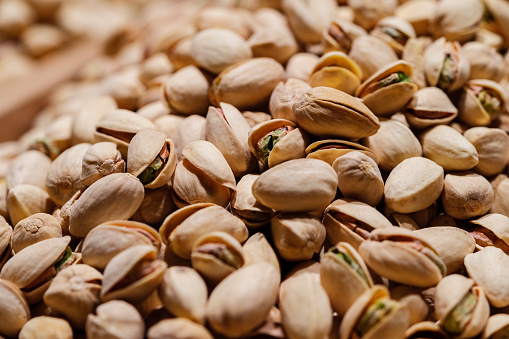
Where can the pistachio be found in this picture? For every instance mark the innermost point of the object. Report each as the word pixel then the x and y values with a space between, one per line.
pixel 29 168
pixel 257 249
pixel 339 35
pixel 394 31
pixel 491 230
pixel 46 328
pixel 362 53
pixel 368 13
pixel 181 328
pixel 482 102
pixel 25 200
pixel 100 160
pixel 430 106
pixel 336 70
pixel 14 311
pixel 496 327
pixel 329 150
pixel 284 95
pixel 116 319
pixel 492 146
pixel 300 66
pixel 457 22
pixel 37 227
pixel 245 206
pixel 485 62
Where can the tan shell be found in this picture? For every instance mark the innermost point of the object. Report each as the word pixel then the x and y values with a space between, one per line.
pixel 100 160
pixel 371 54
pixel 26 200
pixel 317 150
pixel 284 95
pixel 496 223
pixel 457 21
pixel 121 265
pixel 157 204
pixel 145 146
pixel 46 328
pixel 336 70
pixel 367 13
pixel 14 309
pixel 257 249
pixel 6 233
pixel 412 298
pixel 485 62
pixel 390 99
pixel 116 319
pixel 245 206
pixel 37 227
pixel 494 324
pixel 90 112
pixel 178 328
pixel 492 145
pixel 500 188
pixel 471 110
pixel 429 101
pixel 397 23
pixel 413 53
pixel 425 329
pixel 300 66
pixel 340 35
pixel 500 12
pixel 419 14
pixel 291 146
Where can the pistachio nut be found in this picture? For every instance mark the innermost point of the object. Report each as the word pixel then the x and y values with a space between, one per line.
pixel 246 84
pixel 155 109
pixel 403 256
pixel 461 309
pixel 29 168
pixel 184 293
pixel 37 227
pixel 255 118
pixel 500 189
pixel 4 213
pixel 457 21
pixel 154 66
pixel 190 129
pixel 371 54
pixel 133 274
pixel 284 95
pixel 157 204
pixel 6 233
pixel 482 101
pixel 492 145
pixel 339 35
pixel 336 70
pixel 389 89
pixel 57 133
pixel 495 17
pixel 100 160
pixel 413 53
pixel 89 113
pixel 257 249
pixel 181 328
pixel 425 330
pixel 26 200
pixel 344 276
pixel 228 130
pixel 180 55
pixel 395 31
pixel 430 106
pixel 324 111
pixel 14 311
pixel 245 206
pixel 411 297
pixel 351 221
pixel 496 327
pixel 74 293
pixel 329 150
pixel 491 230
pixel 300 66
pixel 359 178
pixel 277 140
pixel 116 319
pixel 125 87
pixel 46 328
pixel 485 62
pixel 374 315
pixel 275 189
pixel 448 148
pixel 368 13
pixel 169 125
pixel 257 285
pixel 114 197
pixel 236 19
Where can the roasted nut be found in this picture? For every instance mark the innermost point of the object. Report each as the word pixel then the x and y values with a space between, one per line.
pixel 245 206
pixel 100 160
pixel 46 328
pixel 283 97
pixel 430 106
pixel 482 101
pixel 116 319
pixel 492 145
pixel 336 70
pixel 37 227
pixel 14 309
pixel 181 328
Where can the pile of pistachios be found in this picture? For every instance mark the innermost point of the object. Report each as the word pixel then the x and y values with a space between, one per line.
pixel 268 169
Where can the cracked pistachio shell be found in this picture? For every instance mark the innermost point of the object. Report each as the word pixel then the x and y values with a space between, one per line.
pixel 385 253
pixel 452 253
pixel 496 223
pixel 301 65
pixel 413 185
pixel 390 99
pixel 115 319
pixel 466 195
pixel 44 327
pixel 85 118
pixel 291 146
pixel 324 111
pixel 144 148
pixel 492 145
pixel 184 293
pixel 14 310
pixel 216 49
pixel 393 143
pixel 64 174
pixel 485 62
pixel 276 189
pixel 257 249
pixel 119 126
pixel 183 227
pixel 496 323
pixel 190 129
pixel 37 227
pixel 449 293
pixel 26 200
pixel 471 111
pixel 430 106
pixel 246 84
pixel 100 160
pixel 412 298
pixel 181 328
pixel 305 308
pixel 284 95
pixel 157 204
pixel 343 283
pixel 501 190
pixel 339 35
pixel 425 330
pixel 329 150
pixel 114 197
pixel 29 168
pixel 336 70
pixel 419 14
pixel 228 130
pixel 123 265
pixel 359 177
pixel 257 286
pixel 349 220
pixel 402 26
pixel 392 325
pixel 371 54
pixel 368 13
pixel 6 233
pixel 74 293
pixel 108 239
pixel 448 148
pixel 457 21
pixel 245 206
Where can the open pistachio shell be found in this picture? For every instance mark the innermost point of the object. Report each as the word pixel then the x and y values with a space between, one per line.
pixel 496 326
pixel 6 233
pixel 26 200
pixel 496 225
pixel 115 319
pixel 457 21
pixel 14 311
pixel 284 95
pixel 30 168
pixel 425 330
pixel 100 160
pixel 339 35
pixel 329 150
pixel 336 70
pixel 430 106
pixel 37 227
pixel 152 158
pixel 482 102
pixel 394 31
pixel 178 328
pixel 44 327
pixel 245 206
pixel 385 99
pixel 419 14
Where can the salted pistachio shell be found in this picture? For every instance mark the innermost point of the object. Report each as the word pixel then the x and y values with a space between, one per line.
pixel 457 21
pixel 336 70
pixel 492 145
pixel 46 328
pixel 6 233
pixel 329 150
pixel 496 325
pixel 146 147
pixel 471 109
pixel 257 249
pixel 452 253
pixel 497 224
pixel 324 111
pixel 184 293
pixel 387 100
pixel 392 325
pixel 305 307
pixel 413 185
pixel 4 213
pixel 297 236
pixel 448 148
pixel 284 95
pixel 90 112
pixel 246 84
pixel 115 319
pixel 100 160
pixel 74 293
pixel 29 168
pixel 367 13
pixel 228 130
pixel 291 145
pixel 362 52
pixel 124 265
pixel 419 13
pixel 449 294
pixel 393 143
pixel 245 206
pixel 14 311
pixel 485 62
pixel 26 200
pixel 349 220
pixel 430 106
pixel 425 330
pixel 394 31
pixel 343 282
pixel 275 189
pixel 257 285
pixel 386 252
pixel 181 328
pixel 37 227
pixel 114 197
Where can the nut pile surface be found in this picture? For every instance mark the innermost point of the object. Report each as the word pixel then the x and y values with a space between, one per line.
pixel 268 169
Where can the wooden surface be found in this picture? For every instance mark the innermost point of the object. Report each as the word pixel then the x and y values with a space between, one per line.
pixel 22 98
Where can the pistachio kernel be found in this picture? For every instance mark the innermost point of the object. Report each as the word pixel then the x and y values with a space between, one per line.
pixel 461 314
pixel 379 309
pixel 350 261
pixel 222 252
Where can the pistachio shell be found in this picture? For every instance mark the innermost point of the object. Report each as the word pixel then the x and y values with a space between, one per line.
pixel 425 329
pixel 300 67
pixel 30 168
pixel 457 21
pixel 46 328
pixel 26 200
pixel 257 249
pixel 336 70
pixel 367 13
pixel 340 34
pixel 245 206
pixel 485 62
pixel 6 233
pixel 329 150
pixel 492 145
pixel 494 324
pixel 403 28
pixel 430 106
pixel 116 319
pixel 181 328
pixel 37 227
pixel 419 14
pixel 14 309
pixel 471 111
pixel 89 113
pixel 284 95
pixel 100 160
pixel 362 53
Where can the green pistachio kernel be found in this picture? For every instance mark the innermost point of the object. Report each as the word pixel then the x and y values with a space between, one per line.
pixel 150 173
pixel 394 78
pixel 351 262
pixel 461 314
pixel 66 258
pixel 491 103
pixel 379 309
pixel 268 143
pixel 447 73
